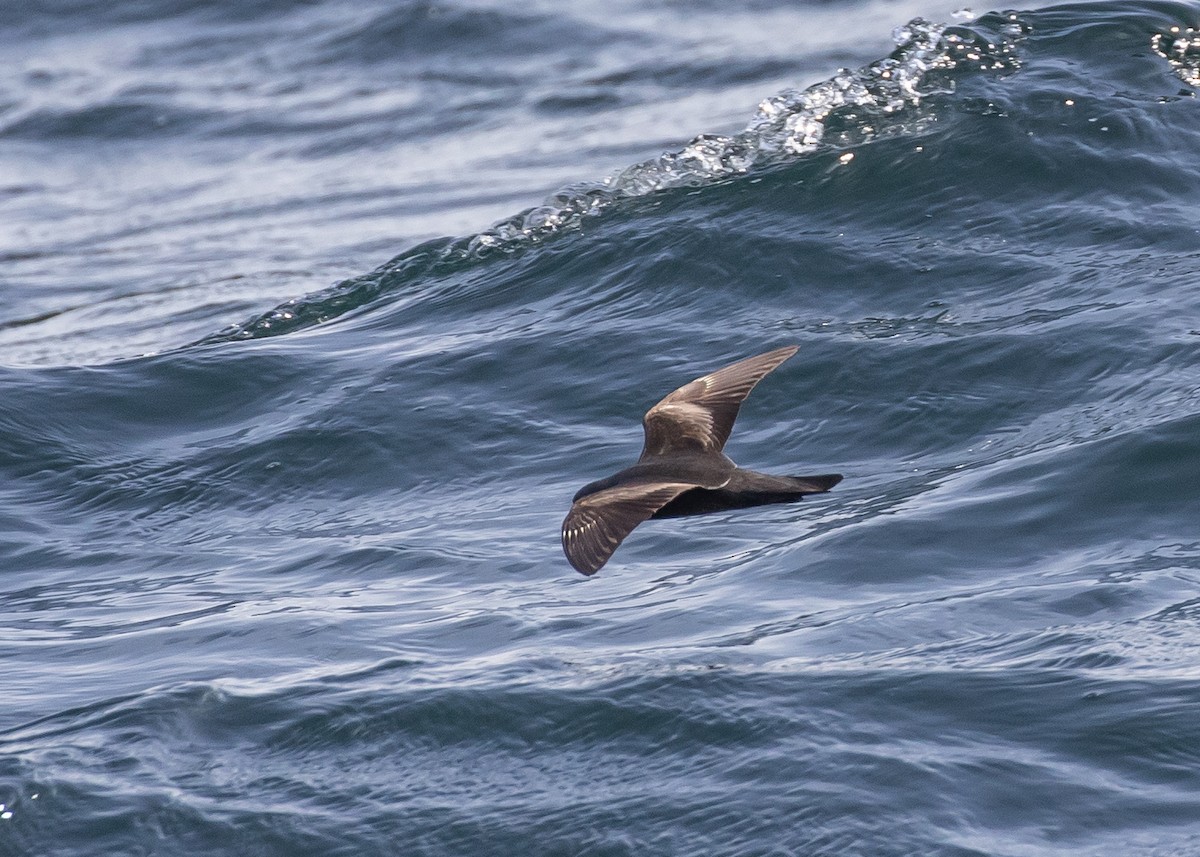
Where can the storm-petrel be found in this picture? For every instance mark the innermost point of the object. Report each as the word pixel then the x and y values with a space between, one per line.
pixel 682 469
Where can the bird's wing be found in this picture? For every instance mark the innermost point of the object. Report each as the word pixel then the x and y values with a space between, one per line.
pixel 598 523
pixel 699 416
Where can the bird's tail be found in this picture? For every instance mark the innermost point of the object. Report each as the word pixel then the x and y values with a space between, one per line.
pixel 747 488
pixel 815 484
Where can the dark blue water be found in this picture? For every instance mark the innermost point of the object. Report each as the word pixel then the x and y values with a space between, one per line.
pixel 287 430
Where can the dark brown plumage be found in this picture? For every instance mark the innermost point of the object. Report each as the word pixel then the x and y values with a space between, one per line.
pixel 683 469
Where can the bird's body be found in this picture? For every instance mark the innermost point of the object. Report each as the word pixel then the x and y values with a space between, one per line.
pixel 683 469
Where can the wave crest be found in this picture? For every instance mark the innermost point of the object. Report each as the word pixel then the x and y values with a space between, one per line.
pixel 1180 47
pixel 865 104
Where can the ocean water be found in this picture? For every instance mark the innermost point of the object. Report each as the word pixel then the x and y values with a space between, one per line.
pixel 314 315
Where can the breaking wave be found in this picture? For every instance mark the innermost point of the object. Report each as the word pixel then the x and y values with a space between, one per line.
pixel 881 99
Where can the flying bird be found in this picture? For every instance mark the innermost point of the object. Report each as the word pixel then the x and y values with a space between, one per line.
pixel 683 469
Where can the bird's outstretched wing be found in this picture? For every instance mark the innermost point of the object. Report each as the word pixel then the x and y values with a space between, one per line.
pixel 598 523
pixel 699 416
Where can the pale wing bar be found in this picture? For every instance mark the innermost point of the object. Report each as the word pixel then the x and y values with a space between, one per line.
pixel 699 416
